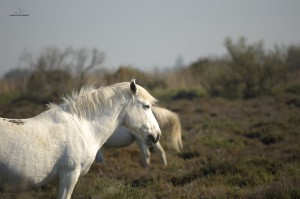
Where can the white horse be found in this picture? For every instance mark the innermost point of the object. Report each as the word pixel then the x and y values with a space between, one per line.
pixel 61 143
pixel 168 121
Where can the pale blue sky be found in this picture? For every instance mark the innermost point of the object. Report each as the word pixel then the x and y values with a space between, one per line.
pixel 144 33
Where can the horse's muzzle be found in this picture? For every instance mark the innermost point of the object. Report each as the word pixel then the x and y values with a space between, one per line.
pixel 151 139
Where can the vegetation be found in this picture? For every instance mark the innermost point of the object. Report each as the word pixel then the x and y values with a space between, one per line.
pixel 240 122
pixel 247 71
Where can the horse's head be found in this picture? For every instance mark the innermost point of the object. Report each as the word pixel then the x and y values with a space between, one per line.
pixel 139 116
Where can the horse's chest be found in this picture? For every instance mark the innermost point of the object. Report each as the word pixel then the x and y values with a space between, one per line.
pixel 79 157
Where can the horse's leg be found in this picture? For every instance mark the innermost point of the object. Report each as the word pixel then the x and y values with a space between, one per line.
pixel 145 152
pixel 161 152
pixel 67 182
pixel 99 157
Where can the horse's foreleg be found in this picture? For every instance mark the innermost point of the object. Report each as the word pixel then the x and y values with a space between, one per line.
pixel 145 152
pixel 67 182
pixel 161 152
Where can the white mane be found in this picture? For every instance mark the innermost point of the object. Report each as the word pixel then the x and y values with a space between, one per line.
pixel 89 100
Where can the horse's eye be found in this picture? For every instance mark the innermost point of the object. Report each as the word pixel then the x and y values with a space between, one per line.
pixel 146 106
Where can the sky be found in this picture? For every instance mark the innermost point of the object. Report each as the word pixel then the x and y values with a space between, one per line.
pixel 143 34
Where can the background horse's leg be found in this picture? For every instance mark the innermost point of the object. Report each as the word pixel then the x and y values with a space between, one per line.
pixel 67 182
pixel 100 157
pixel 145 152
pixel 161 152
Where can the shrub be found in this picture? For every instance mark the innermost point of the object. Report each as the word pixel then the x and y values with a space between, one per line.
pixel 295 89
pixel 253 70
pixel 189 93
pixel 53 82
pixel 125 73
pixel 247 72
pixel 7 98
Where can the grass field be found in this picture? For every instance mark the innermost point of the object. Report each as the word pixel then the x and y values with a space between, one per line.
pixel 232 149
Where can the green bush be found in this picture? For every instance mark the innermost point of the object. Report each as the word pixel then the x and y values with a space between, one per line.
pixel 189 93
pixel 248 71
pixel 8 97
pixel 295 89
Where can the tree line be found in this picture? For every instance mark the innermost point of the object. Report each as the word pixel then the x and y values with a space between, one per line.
pixel 246 71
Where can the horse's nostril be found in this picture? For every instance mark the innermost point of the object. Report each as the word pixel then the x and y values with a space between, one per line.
pixel 152 138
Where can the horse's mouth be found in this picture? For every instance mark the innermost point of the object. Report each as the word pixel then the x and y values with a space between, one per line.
pixel 149 143
pixel 151 140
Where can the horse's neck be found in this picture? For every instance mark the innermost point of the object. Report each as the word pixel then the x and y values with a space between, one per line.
pixel 103 126
pixel 99 125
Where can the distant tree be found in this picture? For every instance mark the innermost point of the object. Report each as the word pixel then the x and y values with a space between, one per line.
pixel 84 62
pixel 293 58
pixel 247 71
pixel 252 70
pixel 51 58
pixel 179 62
pixel 76 62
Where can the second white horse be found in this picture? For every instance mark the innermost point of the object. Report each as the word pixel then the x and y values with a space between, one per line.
pixel 169 123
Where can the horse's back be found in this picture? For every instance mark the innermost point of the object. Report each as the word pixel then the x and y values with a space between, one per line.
pixel 25 156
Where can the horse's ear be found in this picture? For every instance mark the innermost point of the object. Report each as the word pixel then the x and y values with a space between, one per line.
pixel 133 86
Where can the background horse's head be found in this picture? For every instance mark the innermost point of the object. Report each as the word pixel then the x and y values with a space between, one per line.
pixel 139 116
